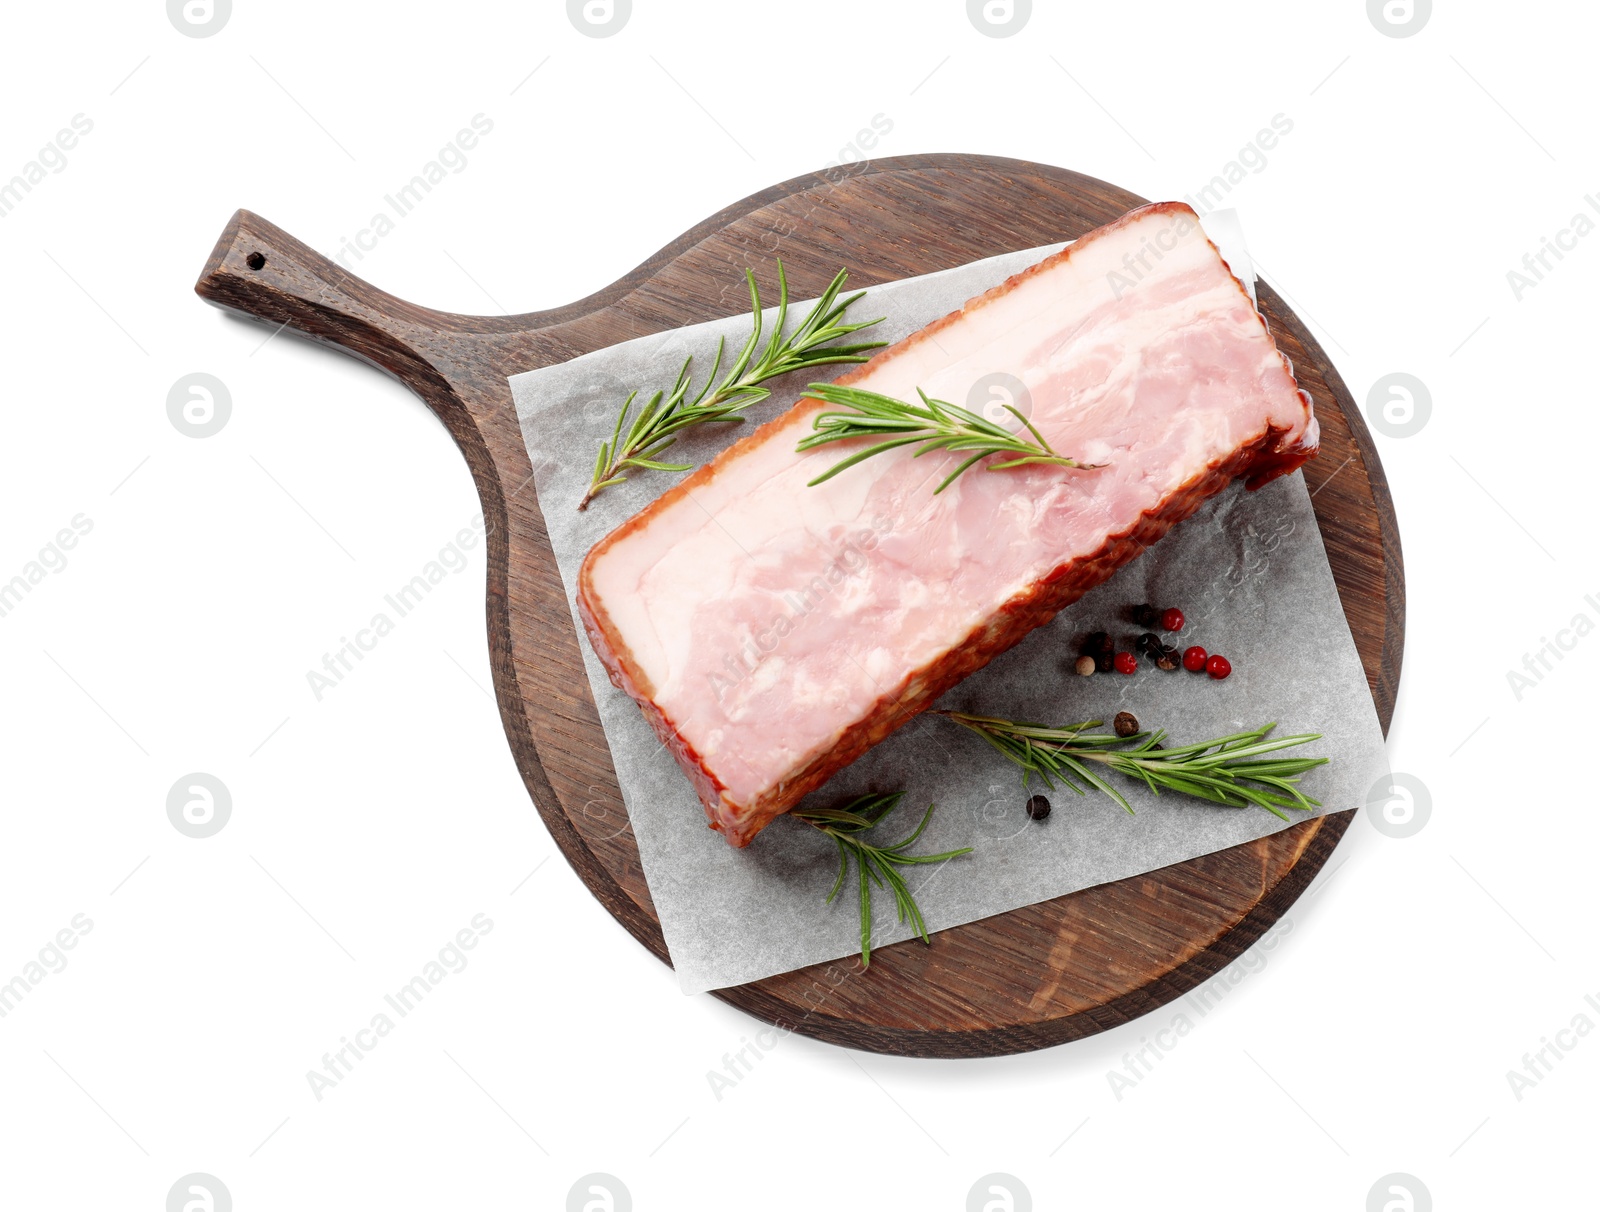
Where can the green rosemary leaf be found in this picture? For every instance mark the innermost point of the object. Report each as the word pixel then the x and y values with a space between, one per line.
pixel 616 432
pixel 1227 770
pixel 946 482
pixel 1266 746
pixel 859 456
pixel 875 865
pixel 844 869
pixel 839 816
pixel 916 833
pixel 669 413
pixel 1098 783
pixel 866 914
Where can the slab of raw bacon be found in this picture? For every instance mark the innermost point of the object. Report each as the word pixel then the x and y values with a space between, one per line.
pixel 771 632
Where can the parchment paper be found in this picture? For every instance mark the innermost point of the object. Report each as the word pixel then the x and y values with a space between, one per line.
pixel 1248 570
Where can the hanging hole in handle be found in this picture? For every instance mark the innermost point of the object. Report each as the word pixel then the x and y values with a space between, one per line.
pixel 256 260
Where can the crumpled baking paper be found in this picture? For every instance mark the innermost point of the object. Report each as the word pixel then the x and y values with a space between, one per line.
pixel 1248 570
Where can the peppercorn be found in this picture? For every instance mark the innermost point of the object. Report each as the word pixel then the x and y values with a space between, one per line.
pixel 1085 666
pixel 1095 644
pixel 1168 660
pixel 1126 662
pixel 1194 658
pixel 1150 644
pixel 1145 615
pixel 1104 663
pixel 1038 808
pixel 1172 619
pixel 1219 667
pixel 1126 723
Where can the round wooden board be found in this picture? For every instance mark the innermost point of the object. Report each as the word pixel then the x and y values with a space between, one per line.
pixel 1037 976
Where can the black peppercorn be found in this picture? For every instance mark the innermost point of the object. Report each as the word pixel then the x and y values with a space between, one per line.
pixel 1168 660
pixel 1104 663
pixel 1038 808
pixel 1150 644
pixel 1145 615
pixel 1097 643
pixel 1126 723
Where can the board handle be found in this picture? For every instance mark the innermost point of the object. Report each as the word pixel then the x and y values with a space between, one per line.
pixel 259 270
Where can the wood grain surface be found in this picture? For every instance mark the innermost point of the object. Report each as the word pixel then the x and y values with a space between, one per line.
pixel 1027 979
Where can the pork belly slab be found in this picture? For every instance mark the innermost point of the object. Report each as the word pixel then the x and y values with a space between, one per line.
pixel 772 632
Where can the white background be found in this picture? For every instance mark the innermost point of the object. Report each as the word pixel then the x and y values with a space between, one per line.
pixel 369 827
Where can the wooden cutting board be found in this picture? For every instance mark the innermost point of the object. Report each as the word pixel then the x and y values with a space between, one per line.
pixel 1027 979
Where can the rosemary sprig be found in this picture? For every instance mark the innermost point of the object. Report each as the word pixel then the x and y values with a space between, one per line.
pixel 1229 770
pixel 937 425
pixel 669 413
pixel 874 864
